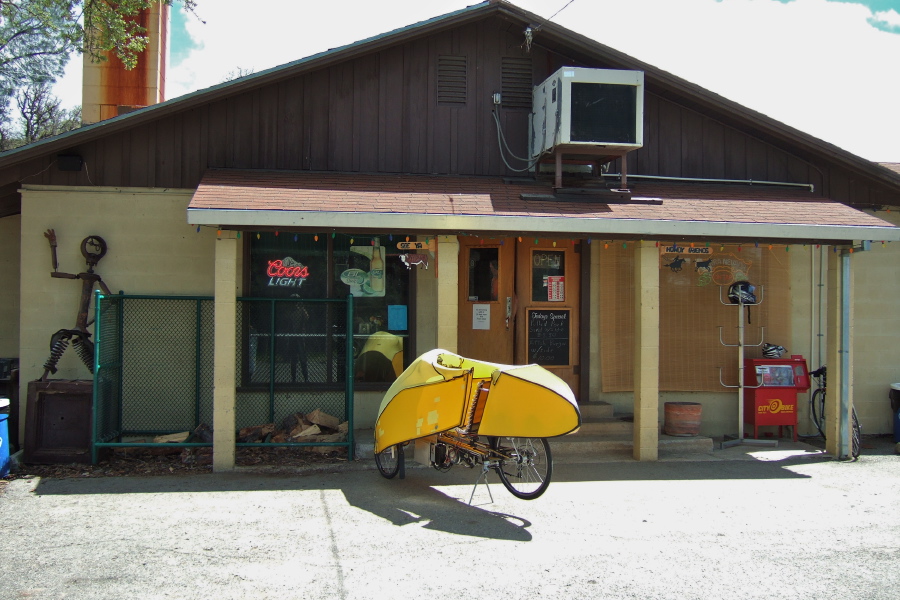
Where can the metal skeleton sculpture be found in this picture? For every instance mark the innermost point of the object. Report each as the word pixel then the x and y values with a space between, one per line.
pixel 93 248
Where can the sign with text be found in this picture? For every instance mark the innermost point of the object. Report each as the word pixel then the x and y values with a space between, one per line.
pixel 548 336
pixel 481 316
pixel 410 246
pixel 286 272
pixel 556 288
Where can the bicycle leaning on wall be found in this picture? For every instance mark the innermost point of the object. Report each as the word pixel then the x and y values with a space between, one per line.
pixel 817 411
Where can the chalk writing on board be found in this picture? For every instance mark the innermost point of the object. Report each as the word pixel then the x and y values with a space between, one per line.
pixel 548 337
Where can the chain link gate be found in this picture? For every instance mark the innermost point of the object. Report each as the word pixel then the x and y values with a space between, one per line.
pixel 153 372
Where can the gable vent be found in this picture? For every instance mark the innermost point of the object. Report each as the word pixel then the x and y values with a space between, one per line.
pixel 451 80
pixel 516 83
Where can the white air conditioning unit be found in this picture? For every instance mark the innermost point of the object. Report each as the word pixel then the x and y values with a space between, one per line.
pixel 588 111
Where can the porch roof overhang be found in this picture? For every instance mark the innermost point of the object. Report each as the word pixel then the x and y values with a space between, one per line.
pixel 329 201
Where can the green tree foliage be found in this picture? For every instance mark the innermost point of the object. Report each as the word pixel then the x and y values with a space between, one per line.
pixel 40 115
pixel 37 37
pixel 110 26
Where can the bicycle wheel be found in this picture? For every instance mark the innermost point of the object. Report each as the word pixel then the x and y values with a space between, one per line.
pixel 855 436
pixel 388 461
pixel 527 471
pixel 817 408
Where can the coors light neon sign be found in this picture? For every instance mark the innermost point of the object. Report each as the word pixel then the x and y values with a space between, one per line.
pixel 287 272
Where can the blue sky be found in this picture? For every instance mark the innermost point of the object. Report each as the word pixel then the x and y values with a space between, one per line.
pixel 826 67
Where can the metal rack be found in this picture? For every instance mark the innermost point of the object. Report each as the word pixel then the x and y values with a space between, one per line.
pixel 741 386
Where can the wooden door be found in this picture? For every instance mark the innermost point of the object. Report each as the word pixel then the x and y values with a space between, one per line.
pixel 487 299
pixel 548 287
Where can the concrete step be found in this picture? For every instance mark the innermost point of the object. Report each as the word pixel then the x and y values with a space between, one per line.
pixel 582 446
pixel 604 426
pixel 598 446
pixel 596 410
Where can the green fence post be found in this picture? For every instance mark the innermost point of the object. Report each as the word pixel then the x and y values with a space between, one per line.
pixel 120 424
pixel 94 388
pixel 348 391
pixel 272 359
pixel 197 358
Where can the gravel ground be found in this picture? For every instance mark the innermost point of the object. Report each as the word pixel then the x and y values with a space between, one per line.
pixel 744 523
pixel 140 462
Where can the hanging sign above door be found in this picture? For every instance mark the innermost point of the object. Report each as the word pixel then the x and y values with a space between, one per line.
pixel 410 246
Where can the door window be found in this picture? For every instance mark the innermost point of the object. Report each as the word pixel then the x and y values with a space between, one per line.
pixel 548 270
pixel 484 274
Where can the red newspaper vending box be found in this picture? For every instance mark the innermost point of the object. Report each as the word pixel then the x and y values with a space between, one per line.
pixel 770 392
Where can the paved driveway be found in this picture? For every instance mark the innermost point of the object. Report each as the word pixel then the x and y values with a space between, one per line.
pixel 739 523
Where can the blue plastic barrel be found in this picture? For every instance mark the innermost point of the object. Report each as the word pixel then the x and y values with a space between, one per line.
pixel 4 437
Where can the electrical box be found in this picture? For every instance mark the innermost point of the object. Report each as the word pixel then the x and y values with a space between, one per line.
pixel 581 109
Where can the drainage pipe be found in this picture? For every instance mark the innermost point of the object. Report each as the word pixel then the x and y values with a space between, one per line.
pixel 823 299
pixel 844 352
pixel 813 322
pixel 808 186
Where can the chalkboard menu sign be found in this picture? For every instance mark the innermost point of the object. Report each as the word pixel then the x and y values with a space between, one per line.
pixel 548 337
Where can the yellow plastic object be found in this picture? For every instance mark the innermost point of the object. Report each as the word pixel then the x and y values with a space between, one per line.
pixel 433 395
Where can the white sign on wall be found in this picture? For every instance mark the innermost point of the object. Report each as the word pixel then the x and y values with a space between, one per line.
pixel 481 316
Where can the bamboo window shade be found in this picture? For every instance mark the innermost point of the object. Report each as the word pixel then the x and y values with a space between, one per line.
pixel 690 313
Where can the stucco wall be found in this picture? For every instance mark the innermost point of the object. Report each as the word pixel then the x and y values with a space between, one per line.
pixel 876 325
pixel 9 291
pixel 151 250
pixel 876 343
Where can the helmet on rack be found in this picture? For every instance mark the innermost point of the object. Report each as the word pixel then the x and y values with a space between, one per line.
pixel 742 292
pixel 773 351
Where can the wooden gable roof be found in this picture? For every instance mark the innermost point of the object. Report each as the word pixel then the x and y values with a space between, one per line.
pixel 18 164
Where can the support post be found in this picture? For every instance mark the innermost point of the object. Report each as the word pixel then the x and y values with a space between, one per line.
pixel 225 344
pixel 839 397
pixel 448 292
pixel 557 183
pixel 646 352
pixel 833 350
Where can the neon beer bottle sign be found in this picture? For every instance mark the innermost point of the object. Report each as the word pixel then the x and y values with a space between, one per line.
pixel 287 272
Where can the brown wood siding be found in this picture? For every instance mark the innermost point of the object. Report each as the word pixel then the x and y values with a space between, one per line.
pixel 316 121
pixel 735 150
pixel 341 141
pixel 670 145
pixel 417 102
pixel 367 108
pixel 390 130
pixel 713 159
pixel 379 113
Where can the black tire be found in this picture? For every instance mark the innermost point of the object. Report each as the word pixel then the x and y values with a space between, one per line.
pixel 817 406
pixel 388 461
pixel 528 471
pixel 855 436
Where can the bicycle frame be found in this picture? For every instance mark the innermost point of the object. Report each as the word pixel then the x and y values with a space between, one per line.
pixel 817 400
pixel 448 405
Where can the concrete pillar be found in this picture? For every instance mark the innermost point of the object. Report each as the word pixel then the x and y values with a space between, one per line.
pixel 595 390
pixel 839 335
pixel 225 344
pixel 448 292
pixel 646 352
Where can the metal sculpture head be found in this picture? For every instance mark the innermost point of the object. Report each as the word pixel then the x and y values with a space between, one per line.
pixel 93 248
